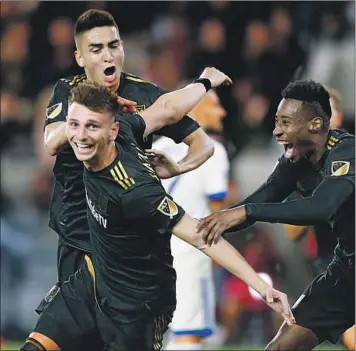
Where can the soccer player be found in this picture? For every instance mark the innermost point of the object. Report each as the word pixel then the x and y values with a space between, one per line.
pixel 126 290
pixel 320 164
pixel 99 50
pixel 198 192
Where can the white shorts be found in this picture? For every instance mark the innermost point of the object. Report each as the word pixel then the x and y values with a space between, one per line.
pixel 195 312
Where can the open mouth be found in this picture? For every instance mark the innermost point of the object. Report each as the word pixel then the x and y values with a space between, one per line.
pixel 289 148
pixel 110 71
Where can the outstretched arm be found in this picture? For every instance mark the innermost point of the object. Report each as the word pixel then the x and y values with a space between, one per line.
pixel 171 107
pixel 229 258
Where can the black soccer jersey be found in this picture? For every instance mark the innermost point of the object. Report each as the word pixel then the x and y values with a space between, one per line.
pixel 68 208
pixel 334 172
pixel 130 217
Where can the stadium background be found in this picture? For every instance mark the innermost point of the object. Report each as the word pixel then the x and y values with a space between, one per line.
pixel 260 45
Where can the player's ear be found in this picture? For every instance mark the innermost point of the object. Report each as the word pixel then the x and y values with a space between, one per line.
pixel 316 124
pixel 79 58
pixel 114 130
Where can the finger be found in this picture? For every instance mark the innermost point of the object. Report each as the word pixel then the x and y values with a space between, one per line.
pixel 126 102
pixel 209 232
pixel 202 223
pixel 219 230
pixel 269 296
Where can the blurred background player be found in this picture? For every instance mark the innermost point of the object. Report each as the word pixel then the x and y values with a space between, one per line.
pixel 200 192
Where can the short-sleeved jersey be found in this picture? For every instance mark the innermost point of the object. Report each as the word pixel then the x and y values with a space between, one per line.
pixel 337 164
pixel 68 208
pixel 130 218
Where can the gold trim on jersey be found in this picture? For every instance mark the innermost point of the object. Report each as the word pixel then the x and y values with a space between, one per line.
pixel 120 175
pixel 75 80
pixel 136 79
pixel 332 141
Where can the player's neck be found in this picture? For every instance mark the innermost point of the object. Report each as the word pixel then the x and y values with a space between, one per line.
pixel 104 160
pixel 319 141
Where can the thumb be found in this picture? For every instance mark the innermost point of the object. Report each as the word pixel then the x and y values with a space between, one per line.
pixel 269 296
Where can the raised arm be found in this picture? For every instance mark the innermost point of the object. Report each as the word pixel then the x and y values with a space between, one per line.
pixel 171 107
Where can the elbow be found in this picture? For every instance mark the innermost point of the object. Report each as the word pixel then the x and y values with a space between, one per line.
pixel 209 149
pixel 52 151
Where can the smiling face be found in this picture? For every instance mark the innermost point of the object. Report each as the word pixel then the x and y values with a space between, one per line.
pixel 89 133
pixel 294 129
pixel 101 54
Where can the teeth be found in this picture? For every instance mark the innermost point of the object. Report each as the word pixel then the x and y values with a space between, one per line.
pixel 283 142
pixel 83 146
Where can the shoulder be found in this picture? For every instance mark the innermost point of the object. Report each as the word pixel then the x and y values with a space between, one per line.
pixel 130 78
pixel 341 143
pixel 72 81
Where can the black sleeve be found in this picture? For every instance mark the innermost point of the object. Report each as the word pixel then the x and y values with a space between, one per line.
pixel 148 203
pixel 313 210
pixel 280 184
pixel 57 108
pixel 337 186
pixel 132 126
pixel 178 131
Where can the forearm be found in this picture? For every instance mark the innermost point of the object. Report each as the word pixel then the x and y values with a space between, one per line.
pixel 201 148
pixel 222 253
pixel 318 208
pixel 55 137
pixel 179 102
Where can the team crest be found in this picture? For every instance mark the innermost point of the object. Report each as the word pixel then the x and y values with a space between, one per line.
pixel 54 110
pixel 340 168
pixel 168 207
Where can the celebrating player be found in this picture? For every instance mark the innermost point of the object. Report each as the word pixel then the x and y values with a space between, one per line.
pixel 99 50
pixel 320 164
pixel 127 289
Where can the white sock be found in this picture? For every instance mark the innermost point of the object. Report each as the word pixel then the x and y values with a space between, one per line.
pixel 173 345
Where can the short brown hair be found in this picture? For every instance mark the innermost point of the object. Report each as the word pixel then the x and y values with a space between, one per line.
pixel 91 19
pixel 95 97
pixel 335 95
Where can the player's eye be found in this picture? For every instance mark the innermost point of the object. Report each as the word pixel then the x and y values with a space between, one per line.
pixel 93 126
pixel 96 51
pixel 73 124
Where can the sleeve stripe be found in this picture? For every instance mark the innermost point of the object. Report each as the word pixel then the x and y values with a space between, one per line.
pixel 218 196
pixel 116 178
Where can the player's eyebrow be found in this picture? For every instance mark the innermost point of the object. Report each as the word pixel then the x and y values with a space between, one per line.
pixel 100 45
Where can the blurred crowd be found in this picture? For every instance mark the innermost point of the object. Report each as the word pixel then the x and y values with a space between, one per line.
pixel 261 45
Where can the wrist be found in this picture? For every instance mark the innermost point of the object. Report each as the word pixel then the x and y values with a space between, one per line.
pixel 205 81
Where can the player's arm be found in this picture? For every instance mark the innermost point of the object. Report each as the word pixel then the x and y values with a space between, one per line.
pixel 55 122
pixel 278 186
pixel 171 107
pixel 229 258
pixel 327 198
pixel 200 149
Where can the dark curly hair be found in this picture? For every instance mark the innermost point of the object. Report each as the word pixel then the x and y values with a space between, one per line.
pixel 314 96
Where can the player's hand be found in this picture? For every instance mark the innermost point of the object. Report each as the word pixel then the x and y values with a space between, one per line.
pixel 213 226
pixel 127 106
pixel 278 301
pixel 163 164
pixel 216 77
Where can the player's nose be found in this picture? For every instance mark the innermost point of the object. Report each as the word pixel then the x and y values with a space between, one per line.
pixel 277 131
pixel 108 57
pixel 82 134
